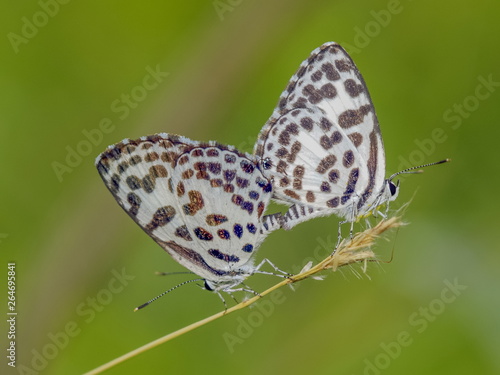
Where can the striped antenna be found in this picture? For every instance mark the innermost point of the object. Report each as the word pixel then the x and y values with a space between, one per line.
pixel 168 291
pixel 412 169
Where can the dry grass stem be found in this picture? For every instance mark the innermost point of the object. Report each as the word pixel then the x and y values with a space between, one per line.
pixel 349 252
pixel 353 250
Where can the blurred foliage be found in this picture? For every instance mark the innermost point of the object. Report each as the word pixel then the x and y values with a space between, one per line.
pixel 67 72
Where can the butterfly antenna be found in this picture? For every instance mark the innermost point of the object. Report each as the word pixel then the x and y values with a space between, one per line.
pixel 168 291
pixel 412 169
pixel 172 273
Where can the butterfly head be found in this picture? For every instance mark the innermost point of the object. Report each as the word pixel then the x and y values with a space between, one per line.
pixel 225 283
pixel 214 286
pixel 388 193
pixel 209 285
pixel 392 190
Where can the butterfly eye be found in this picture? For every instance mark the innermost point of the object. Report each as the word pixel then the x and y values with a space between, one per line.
pixel 393 188
pixel 208 286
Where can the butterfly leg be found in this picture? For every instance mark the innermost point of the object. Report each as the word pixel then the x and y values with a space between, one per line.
pixel 339 236
pixel 351 231
pixel 376 212
pixel 224 301
pixel 379 202
pixel 386 213
pixel 264 261
pixel 383 214
pixel 368 224
pixel 245 288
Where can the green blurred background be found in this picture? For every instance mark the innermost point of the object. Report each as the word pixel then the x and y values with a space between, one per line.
pixel 434 75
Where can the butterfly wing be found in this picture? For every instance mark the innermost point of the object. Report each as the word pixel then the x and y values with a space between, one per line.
pixel 178 191
pixel 322 145
pixel 221 197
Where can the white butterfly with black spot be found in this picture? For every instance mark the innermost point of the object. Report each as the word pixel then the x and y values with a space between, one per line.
pixel 203 203
pixel 322 146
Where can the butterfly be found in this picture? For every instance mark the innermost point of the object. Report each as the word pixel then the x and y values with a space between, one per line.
pixel 322 146
pixel 203 203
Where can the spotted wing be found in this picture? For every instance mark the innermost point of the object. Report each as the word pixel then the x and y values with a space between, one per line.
pixel 221 196
pixel 202 202
pixel 137 172
pixel 322 145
